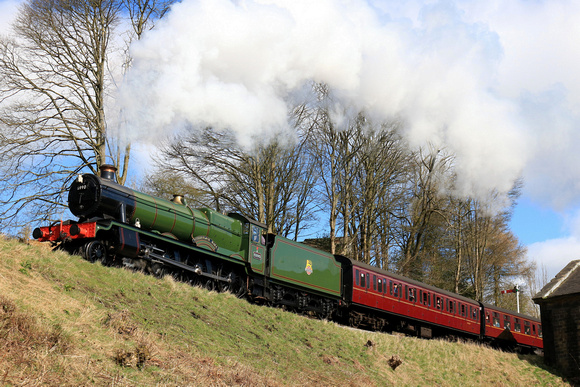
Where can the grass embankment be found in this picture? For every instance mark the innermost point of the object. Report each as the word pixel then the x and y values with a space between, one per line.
pixel 64 321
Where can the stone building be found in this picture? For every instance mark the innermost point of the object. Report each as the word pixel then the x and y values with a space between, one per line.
pixel 559 303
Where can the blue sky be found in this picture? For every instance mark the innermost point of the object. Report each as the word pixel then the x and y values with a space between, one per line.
pixel 494 82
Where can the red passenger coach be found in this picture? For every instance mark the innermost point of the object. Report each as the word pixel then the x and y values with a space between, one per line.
pixel 380 299
pixel 507 326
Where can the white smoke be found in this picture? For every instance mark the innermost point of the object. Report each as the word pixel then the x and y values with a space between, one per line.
pixel 471 77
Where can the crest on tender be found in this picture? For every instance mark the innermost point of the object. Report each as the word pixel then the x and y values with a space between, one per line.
pixel 308 268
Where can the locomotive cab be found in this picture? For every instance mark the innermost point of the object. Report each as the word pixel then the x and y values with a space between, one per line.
pixel 254 242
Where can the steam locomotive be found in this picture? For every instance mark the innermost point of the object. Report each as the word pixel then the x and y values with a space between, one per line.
pixel 121 226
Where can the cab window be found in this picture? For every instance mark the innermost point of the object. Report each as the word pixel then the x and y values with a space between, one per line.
pixel 257 235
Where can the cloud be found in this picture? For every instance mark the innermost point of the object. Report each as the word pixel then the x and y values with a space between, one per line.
pixel 555 254
pixel 234 64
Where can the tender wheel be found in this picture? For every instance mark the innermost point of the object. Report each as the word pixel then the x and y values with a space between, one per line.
pixel 95 251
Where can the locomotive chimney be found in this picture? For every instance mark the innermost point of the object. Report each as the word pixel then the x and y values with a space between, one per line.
pixel 108 172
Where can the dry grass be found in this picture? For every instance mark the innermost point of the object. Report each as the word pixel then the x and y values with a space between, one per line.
pixel 64 321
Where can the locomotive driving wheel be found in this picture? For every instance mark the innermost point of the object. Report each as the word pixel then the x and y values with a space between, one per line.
pixel 233 284
pixel 158 270
pixel 95 251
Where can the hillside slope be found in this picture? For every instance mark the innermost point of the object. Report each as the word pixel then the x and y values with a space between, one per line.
pixel 64 321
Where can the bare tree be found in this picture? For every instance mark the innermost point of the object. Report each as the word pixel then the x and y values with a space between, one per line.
pixel 378 173
pixel 272 182
pixel 421 203
pixel 54 88
pixel 536 280
pixel 493 256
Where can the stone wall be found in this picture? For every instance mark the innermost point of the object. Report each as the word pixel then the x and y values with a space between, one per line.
pixel 561 330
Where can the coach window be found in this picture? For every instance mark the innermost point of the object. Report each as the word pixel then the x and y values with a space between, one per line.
pixel 385 285
pixel 517 325
pixel 362 280
pixel 412 294
pixel 539 330
pixel 406 293
pixel 506 322
pixel 391 288
pixel 463 310
pixel 368 281
pixel 357 277
pixel 374 282
pixel 450 306
pixel 487 320
pixel 496 319
pixel 474 313
pixel 526 327
pixel 438 303
pixel 380 285
pixel 425 298
pixel 396 290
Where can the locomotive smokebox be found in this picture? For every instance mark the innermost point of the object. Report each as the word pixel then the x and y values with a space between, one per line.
pixel 108 172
